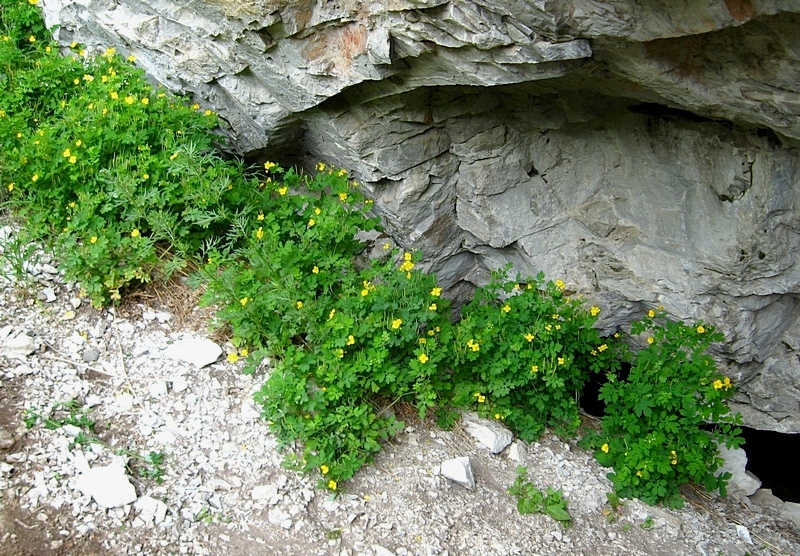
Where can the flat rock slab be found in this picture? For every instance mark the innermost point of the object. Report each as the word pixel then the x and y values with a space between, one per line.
pixel 109 486
pixel 735 463
pixel 491 434
pixel 197 351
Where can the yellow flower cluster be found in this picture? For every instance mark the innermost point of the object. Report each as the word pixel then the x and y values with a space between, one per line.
pixel 719 384
pixel 560 285
pixel 350 340
pixel 480 397
pixel 506 308
pixel 594 311
pixel 674 458
pixel 407 265
pixel 396 323
pixel 473 345
pixel 368 287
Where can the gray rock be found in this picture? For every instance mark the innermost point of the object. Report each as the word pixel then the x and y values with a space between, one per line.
pixel 108 486
pixel 491 434
pixel 517 452
pixel 49 294
pixel 6 439
pixel 735 462
pixel 197 351
pixel 767 501
pixel 791 512
pixel 645 156
pixel 459 470
pixel 91 354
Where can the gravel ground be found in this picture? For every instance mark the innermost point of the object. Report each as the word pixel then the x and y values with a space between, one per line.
pixel 223 489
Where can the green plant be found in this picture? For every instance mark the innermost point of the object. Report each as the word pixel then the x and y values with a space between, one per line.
pixel 17 254
pixel 654 430
pixel 647 523
pixel 532 500
pixel 615 507
pixel 524 351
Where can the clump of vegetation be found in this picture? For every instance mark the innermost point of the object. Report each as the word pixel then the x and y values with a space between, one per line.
pixel 124 181
pixel 531 500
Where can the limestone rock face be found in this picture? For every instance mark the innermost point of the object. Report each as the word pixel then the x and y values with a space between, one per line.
pixel 645 152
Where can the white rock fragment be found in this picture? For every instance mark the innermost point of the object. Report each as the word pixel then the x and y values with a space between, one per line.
pixel 491 434
pixel 735 462
pixel 150 509
pixel 158 389
pixel 194 350
pixel 381 551
pixel 459 470
pixel 124 402
pixel 517 452
pixel 108 486
pixel 743 533
pixel 249 409
pixel 17 345
pixel 49 294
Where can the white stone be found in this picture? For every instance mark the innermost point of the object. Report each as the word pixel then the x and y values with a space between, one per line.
pixel 735 462
pixel 459 470
pixel 158 389
pixel 381 551
pixel 194 350
pixel 17 345
pixel 743 533
pixel 491 434
pixel 49 294
pixel 151 509
pixel 517 452
pixel 124 402
pixel 108 486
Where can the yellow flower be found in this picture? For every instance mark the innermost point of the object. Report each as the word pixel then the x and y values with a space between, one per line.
pixel 244 352
pixel 506 308
pixel 534 369
pixel 88 78
pixel 131 58
pixel 423 358
pixel 233 357
pixel 387 246
pixel 342 173
pixel 650 340
pixel 243 301
pixel 173 156
pixel 407 266
pixel 145 176
pixel 561 360
pixel 602 348
pixel 473 345
pixel 129 99
pixel 558 327
pixel 560 284
pixel 343 197
pixel 651 313
pixel 330 315
pixel 604 448
pixel 436 292
pixel 315 270
pixel 269 166
pixel 135 233
pixel 145 101
pixel 364 292
pixel 78 143
pixel 332 484
pixel 396 323
pixel 320 166
pixel 406 256
pixel 114 95
pixel 727 383
pixel 481 398
pixel 548 327
pixel 311 222
pixel 431 333
pixel 32 38
pixel 11 186
pixel 109 52
pixel 717 384
pixel 317 211
pixel 282 191
pixel 299 304
pixel 422 341
pixel 350 340
pixel 94 240
pixel 33 2
pixel 594 311
pixel 34 177
pixel 529 337
pixel 324 469
pixel 66 153
pixel 260 233
pixel 432 307
pixel 340 353
pixel 73 159
pixel 700 329
pixel 208 112
pixel 260 216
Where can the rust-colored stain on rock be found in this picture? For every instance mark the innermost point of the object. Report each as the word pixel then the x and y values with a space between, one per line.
pixel 337 46
pixel 740 10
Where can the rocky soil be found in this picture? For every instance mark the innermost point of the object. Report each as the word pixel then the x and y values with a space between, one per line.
pixel 155 380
